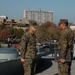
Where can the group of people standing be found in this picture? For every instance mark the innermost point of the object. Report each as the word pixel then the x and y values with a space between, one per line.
pixel 28 49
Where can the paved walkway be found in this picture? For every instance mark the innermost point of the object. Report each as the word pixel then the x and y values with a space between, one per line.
pixel 48 66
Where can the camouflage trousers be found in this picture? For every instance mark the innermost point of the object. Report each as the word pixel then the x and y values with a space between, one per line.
pixel 29 67
pixel 64 69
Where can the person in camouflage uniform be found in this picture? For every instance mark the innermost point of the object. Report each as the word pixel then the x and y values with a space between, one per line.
pixel 28 50
pixel 66 42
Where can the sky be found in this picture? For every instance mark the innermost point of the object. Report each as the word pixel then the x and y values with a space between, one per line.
pixel 14 9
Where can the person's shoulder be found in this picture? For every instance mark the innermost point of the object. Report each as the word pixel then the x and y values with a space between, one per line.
pixel 70 30
pixel 67 30
pixel 26 34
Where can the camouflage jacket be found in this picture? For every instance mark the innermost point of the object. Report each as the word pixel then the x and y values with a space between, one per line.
pixel 28 46
pixel 66 41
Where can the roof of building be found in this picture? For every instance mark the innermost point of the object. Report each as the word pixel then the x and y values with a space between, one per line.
pixel 71 24
pixel 24 21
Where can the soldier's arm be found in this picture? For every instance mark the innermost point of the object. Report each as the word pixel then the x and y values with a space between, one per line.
pixel 63 44
pixel 23 42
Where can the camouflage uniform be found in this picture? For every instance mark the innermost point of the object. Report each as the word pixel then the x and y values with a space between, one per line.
pixel 28 52
pixel 66 42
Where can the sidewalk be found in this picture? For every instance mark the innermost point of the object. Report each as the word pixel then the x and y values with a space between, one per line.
pixel 48 66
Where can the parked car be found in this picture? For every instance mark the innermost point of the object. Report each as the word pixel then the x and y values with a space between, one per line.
pixel 48 47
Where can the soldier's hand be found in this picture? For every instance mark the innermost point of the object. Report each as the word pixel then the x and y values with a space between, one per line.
pixel 22 60
pixel 62 60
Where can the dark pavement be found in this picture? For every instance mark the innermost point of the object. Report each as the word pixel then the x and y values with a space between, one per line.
pixel 48 66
